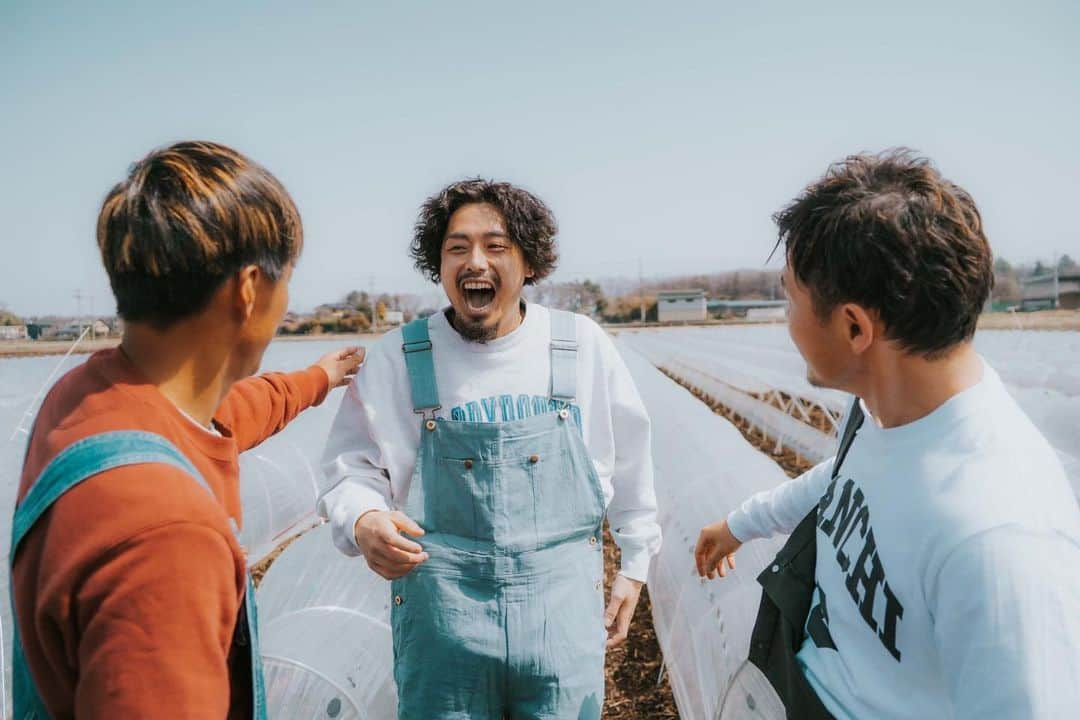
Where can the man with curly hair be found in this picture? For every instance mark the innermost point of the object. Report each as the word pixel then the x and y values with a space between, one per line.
pixel 496 434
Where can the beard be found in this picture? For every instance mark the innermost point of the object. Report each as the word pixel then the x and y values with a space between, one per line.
pixel 471 330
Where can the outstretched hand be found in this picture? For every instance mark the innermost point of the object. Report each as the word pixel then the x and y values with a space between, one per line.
pixel 341 365
pixel 716 547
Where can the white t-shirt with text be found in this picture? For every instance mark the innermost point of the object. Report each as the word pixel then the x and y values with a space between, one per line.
pixel 948 567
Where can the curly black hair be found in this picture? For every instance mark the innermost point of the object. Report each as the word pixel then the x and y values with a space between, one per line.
pixel 528 220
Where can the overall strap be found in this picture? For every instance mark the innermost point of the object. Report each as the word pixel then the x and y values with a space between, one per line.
pixel 563 355
pixel 852 424
pixel 88 457
pixel 76 463
pixel 416 344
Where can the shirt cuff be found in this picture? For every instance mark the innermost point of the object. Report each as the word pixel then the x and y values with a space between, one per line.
pixel 636 566
pixel 343 516
pixel 739 524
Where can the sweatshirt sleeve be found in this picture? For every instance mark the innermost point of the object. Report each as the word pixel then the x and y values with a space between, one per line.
pixel 632 512
pixel 1006 611
pixel 157 618
pixel 779 510
pixel 260 406
pixel 353 462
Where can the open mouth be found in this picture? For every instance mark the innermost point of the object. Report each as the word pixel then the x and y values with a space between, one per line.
pixel 479 294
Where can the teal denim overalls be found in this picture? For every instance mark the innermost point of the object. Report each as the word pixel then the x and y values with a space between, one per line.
pixel 505 618
pixel 77 462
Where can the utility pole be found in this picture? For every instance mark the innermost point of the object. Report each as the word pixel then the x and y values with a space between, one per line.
pixel 374 303
pixel 641 289
pixel 1057 290
pixel 78 304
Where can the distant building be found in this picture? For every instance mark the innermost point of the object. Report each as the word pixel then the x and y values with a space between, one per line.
pixel 393 317
pixel 767 314
pixel 13 332
pixel 750 309
pixel 70 331
pixel 681 306
pixel 1055 290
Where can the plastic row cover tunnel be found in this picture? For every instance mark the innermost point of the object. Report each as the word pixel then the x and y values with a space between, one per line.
pixel 325 631
pixel 704 469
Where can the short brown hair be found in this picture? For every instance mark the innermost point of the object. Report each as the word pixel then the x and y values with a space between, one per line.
pixel 529 223
pixel 889 233
pixel 186 218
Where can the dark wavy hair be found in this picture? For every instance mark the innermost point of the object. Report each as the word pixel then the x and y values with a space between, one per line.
pixel 528 221
pixel 889 233
pixel 186 218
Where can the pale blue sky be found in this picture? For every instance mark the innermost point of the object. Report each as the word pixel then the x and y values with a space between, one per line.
pixel 662 131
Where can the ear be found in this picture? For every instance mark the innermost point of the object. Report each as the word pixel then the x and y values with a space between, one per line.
pixel 247 290
pixel 859 327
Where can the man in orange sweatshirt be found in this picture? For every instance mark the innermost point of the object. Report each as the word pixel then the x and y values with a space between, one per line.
pixel 130 588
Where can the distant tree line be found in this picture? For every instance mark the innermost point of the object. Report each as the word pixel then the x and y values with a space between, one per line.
pixel 619 300
pixel 357 312
pixel 1008 278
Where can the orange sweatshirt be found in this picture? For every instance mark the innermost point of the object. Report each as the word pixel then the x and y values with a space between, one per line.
pixel 128 588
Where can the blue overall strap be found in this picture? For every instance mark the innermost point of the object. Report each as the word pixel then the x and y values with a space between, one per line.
pixel 416 344
pixel 78 462
pixel 563 355
pixel 88 457
pixel 258 681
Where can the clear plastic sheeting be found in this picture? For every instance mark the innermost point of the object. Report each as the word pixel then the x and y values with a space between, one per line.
pixel 324 627
pixel 752 358
pixel 751 697
pixel 704 469
pixel 279 485
pixel 1039 369
pixel 787 430
pixel 281 479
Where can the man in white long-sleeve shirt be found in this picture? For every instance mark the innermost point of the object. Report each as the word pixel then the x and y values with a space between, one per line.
pixel 495 433
pixel 947 572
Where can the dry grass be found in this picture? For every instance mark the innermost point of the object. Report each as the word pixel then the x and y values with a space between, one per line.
pixel 258 570
pixel 1042 320
pixel 38 348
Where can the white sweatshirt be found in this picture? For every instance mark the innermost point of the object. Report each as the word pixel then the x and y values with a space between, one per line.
pixel 948 567
pixel 374 441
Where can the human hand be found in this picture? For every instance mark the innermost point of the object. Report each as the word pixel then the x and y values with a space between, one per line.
pixel 388 553
pixel 620 610
pixel 341 365
pixel 715 547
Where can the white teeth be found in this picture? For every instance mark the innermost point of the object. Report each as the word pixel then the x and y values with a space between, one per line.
pixel 477 286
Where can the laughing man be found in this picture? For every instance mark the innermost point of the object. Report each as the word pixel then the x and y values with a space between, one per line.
pixel 475 458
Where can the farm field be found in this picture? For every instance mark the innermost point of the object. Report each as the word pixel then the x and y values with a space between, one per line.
pixel 311 597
